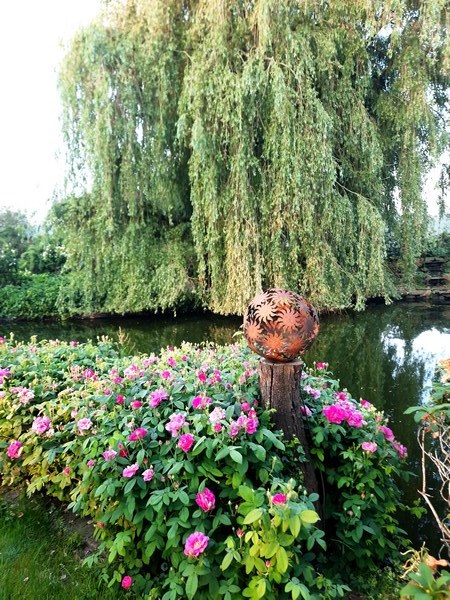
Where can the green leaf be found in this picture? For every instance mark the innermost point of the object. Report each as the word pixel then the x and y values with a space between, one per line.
pixel 282 560
pixel 191 586
pixel 309 516
pixel 253 516
pixel 236 456
pixel 228 559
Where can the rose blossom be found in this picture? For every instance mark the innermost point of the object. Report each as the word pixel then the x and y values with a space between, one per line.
pixel 157 397
pixel 335 413
pixel 148 474
pixel 127 582
pixel 206 500
pixel 41 425
pixel 14 450
pixel 186 442
pixel 306 411
pixel 400 449
pixel 137 434
pixel 369 446
pixel 131 470
pixel 84 424
pixel 136 404
pixel 387 432
pixel 218 414
pixel 279 499
pixel 195 544
pixel 176 422
pixel 90 463
pixel 201 376
pixel 322 365
pixel 201 401
pixel 109 454
pixel 66 471
pixel 366 403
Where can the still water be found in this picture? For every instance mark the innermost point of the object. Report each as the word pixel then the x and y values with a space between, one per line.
pixel 387 355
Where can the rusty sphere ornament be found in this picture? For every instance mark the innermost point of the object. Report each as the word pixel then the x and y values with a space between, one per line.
pixel 280 325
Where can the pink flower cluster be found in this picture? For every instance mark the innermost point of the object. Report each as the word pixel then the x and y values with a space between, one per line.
pixel 176 422
pixel 343 410
pixel 132 372
pixel 41 425
pixel 24 394
pixel 206 500
pixel 14 450
pixel 157 397
pixel 195 544
pixel 249 423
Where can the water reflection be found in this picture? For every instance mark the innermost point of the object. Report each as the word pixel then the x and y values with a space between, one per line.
pixel 386 355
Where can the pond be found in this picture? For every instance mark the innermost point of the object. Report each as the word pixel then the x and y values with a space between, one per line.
pixel 386 354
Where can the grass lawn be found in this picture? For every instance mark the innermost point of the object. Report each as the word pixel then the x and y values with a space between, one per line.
pixel 41 554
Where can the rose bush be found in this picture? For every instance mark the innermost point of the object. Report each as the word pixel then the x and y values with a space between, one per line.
pixel 175 461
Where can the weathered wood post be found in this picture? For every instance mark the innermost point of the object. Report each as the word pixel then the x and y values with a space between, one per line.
pixel 280 325
pixel 280 390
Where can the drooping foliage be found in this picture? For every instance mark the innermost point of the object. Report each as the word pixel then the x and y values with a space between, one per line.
pixel 218 148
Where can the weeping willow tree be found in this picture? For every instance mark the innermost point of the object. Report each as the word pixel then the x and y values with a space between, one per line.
pixel 225 146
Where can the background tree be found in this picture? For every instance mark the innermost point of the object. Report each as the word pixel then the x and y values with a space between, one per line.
pixel 238 145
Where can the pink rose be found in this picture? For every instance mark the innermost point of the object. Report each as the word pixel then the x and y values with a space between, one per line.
pixel 186 442
pixel 195 544
pixel 201 401
pixel 127 582
pixel 206 500
pixel 131 470
pixel 201 376
pixel 157 397
pixel 369 446
pixel 41 425
pixel 14 450
pixel 387 432
pixel 148 474
pixel 109 454
pixel 84 424
pixel 401 450
pixel 279 499
pixel 66 470
pixel 176 422
pixel 136 404
pixel 322 365
pixel 335 414
pixel 120 399
pixel 137 434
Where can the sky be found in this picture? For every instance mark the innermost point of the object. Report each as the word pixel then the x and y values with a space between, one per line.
pixel 31 158
pixel 31 36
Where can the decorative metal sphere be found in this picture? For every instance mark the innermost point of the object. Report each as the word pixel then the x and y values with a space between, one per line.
pixel 280 325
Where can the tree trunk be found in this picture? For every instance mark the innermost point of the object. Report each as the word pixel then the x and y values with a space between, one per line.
pixel 280 389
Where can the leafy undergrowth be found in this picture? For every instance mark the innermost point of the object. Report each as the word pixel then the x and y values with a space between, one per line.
pixel 40 559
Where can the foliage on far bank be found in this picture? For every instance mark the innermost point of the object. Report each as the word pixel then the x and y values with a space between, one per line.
pixel 30 263
pixel 191 491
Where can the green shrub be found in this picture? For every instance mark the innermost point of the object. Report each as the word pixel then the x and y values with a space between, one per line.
pixel 191 492
pixel 34 298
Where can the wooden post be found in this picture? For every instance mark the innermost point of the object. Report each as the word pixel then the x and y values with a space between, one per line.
pixel 280 389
